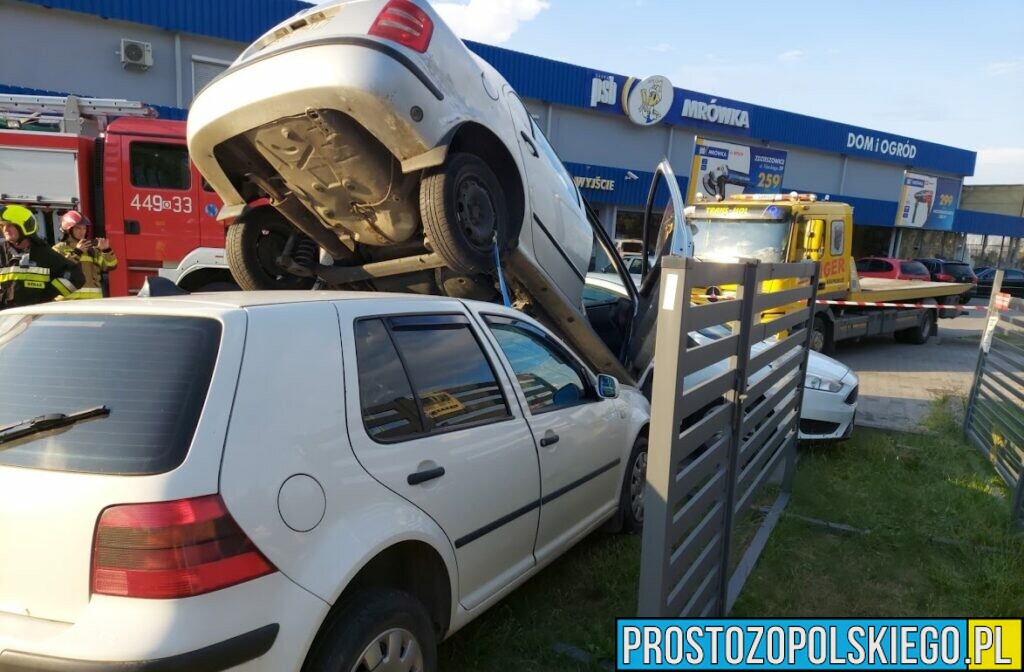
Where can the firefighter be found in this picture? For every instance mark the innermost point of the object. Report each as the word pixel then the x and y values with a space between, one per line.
pixel 95 256
pixel 30 272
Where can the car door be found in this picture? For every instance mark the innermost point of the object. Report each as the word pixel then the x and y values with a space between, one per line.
pixel 673 239
pixel 161 210
pixel 433 420
pixel 580 437
pixel 544 189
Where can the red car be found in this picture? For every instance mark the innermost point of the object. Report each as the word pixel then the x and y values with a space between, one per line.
pixel 895 269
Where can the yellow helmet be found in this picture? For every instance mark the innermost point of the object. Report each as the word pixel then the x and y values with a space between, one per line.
pixel 21 217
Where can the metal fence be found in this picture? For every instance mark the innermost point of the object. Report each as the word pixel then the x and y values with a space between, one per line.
pixel 994 421
pixel 715 445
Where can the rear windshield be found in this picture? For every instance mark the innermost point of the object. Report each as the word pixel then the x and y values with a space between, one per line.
pixel 913 268
pixel 152 372
pixel 959 269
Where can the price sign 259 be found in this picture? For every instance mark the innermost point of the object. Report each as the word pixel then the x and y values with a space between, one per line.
pixel 768 180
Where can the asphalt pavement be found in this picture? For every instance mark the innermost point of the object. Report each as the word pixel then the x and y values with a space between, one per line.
pixel 898 381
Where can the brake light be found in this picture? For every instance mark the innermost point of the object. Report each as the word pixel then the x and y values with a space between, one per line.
pixel 172 550
pixel 944 277
pixel 403 22
pixel 974 279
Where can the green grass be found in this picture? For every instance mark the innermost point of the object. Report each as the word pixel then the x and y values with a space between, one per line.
pixel 940 542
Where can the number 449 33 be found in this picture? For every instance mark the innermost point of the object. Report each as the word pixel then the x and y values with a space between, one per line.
pixel 157 203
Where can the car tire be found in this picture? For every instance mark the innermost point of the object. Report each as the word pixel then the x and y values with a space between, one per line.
pixel 252 245
pixel 920 334
pixel 462 204
pixel 630 516
pixel 376 624
pixel 821 336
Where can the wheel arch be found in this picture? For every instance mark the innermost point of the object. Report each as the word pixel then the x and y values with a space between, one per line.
pixel 473 138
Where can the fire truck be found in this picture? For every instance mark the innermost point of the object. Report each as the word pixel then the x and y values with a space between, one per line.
pixel 125 170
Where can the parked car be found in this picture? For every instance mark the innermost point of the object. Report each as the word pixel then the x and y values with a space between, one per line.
pixel 953 271
pixel 629 246
pixel 895 269
pixel 1013 282
pixel 234 491
pixel 830 387
pixel 384 141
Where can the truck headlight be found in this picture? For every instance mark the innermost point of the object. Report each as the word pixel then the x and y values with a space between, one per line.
pixel 822 383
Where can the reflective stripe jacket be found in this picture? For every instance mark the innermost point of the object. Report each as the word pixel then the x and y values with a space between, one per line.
pixel 35 275
pixel 93 263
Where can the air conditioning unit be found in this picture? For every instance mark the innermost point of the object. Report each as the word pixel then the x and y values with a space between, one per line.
pixel 136 54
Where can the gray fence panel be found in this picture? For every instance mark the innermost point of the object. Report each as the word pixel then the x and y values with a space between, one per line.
pixel 702 477
pixel 994 421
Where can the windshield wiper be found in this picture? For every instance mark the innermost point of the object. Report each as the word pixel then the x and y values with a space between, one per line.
pixel 42 423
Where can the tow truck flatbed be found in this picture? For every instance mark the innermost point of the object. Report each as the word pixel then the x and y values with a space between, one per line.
pixel 886 290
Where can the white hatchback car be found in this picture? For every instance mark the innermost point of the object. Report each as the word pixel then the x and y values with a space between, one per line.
pixel 381 139
pixel 281 481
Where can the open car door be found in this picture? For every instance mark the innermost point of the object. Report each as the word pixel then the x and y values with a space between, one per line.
pixel 665 214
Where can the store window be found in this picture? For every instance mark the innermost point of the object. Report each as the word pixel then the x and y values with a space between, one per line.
pixel 871 241
pixel 629 225
pixel 205 70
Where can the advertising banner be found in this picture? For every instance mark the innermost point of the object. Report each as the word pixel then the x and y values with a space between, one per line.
pixel 722 169
pixel 928 202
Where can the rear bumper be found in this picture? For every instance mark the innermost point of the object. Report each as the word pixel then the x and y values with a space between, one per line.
pixel 214 658
pixel 371 82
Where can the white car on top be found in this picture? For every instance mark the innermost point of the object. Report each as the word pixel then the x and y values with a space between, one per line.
pixel 430 455
pixel 393 158
pixel 830 387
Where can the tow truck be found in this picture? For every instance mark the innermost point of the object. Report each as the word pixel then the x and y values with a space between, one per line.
pixel 125 170
pixel 796 227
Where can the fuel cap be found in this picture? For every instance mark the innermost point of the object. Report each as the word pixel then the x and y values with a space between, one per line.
pixel 301 502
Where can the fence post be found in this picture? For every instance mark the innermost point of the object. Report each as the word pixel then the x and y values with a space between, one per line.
pixel 787 477
pixel 986 335
pixel 666 417
pixel 739 398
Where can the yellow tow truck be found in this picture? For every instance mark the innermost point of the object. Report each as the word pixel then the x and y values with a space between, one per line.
pixel 797 227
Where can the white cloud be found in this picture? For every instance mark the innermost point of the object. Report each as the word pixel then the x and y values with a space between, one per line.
pixel 1001 165
pixel 1005 67
pixel 662 48
pixel 790 56
pixel 491 21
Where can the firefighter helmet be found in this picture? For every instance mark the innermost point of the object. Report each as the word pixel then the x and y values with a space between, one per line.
pixel 21 217
pixel 71 219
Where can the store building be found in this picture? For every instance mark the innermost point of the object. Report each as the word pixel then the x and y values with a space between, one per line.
pixel 610 130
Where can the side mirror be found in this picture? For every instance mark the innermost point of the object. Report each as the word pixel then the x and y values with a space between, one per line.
pixel 607 387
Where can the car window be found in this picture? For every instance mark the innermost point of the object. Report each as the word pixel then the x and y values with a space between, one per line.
pixel 1014 275
pixel 882 265
pixel 421 374
pixel 548 380
pixel 864 265
pixel 957 269
pixel 159 166
pixel 152 372
pixel 452 379
pixel 593 295
pixel 389 409
pixel 913 268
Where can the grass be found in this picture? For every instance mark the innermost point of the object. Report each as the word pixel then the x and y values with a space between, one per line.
pixel 940 542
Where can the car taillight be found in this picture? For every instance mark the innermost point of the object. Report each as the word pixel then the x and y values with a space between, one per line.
pixel 172 550
pixel 403 22
pixel 944 277
pixel 974 279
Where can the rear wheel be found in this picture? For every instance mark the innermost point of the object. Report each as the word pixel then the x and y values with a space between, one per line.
pixel 918 335
pixel 253 244
pixel 377 629
pixel 463 205
pixel 821 336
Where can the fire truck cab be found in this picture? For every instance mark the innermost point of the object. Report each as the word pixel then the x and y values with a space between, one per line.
pixel 125 170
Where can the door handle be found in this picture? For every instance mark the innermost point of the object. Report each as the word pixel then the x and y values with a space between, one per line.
pixel 132 227
pixel 533 147
pixel 549 439
pixel 418 477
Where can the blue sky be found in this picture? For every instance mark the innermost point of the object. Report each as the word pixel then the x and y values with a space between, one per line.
pixel 947 72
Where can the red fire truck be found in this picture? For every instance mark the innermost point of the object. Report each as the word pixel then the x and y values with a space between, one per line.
pixel 128 172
